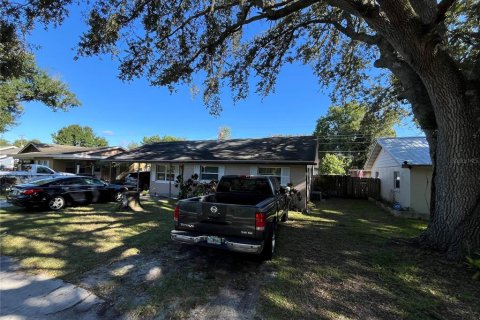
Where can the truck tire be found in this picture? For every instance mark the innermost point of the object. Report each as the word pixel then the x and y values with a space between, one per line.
pixel 269 247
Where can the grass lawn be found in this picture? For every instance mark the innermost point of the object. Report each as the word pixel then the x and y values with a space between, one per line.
pixel 338 263
pixel 335 263
pixel 67 243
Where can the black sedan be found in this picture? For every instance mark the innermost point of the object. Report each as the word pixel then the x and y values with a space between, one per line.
pixel 56 193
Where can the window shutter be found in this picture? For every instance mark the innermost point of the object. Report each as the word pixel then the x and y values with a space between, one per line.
pixel 285 178
pixel 153 172
pixel 221 172
pixel 196 169
pixel 253 171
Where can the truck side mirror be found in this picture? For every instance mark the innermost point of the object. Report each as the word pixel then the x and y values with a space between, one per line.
pixel 282 190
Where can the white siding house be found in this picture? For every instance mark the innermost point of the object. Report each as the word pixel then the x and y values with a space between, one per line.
pixel 404 167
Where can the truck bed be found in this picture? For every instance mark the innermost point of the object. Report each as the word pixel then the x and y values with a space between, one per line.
pixel 235 198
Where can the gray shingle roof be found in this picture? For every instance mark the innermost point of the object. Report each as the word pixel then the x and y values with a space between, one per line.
pixel 301 149
pixel 36 150
pixel 415 150
pixel 7 150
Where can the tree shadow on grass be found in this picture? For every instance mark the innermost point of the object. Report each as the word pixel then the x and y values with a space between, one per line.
pixel 345 267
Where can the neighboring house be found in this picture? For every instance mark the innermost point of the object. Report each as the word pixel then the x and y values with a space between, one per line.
pixel 290 159
pixel 79 160
pixel 6 160
pixel 405 169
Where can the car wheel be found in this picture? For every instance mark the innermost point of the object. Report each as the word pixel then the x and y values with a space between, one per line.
pixel 269 247
pixel 56 203
pixel 118 196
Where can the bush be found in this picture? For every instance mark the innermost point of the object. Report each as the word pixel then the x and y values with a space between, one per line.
pixel 193 188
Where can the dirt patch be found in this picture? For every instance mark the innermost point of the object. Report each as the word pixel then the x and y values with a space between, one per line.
pixel 231 283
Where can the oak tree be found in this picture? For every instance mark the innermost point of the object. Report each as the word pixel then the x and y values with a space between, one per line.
pixel 427 53
pixel 21 80
pixel 76 135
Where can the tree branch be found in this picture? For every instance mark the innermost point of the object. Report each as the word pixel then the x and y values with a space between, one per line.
pixel 414 89
pixel 443 8
pixel 425 9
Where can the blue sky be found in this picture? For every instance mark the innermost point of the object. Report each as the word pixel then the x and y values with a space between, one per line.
pixel 124 112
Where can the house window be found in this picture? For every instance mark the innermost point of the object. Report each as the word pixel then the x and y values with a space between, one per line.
pixel 209 173
pixel 42 162
pixel 165 172
pixel 396 180
pixel 272 172
pixel 43 170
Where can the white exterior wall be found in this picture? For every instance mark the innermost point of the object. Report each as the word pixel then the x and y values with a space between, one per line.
pixel 295 174
pixel 421 182
pixel 386 165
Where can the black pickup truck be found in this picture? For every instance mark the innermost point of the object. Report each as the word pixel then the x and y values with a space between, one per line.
pixel 242 215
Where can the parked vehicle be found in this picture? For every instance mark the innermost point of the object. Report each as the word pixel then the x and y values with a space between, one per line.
pixel 144 182
pixel 242 215
pixel 29 172
pixel 56 193
pixel 34 170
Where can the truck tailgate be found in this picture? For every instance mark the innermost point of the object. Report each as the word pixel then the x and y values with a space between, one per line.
pixel 217 218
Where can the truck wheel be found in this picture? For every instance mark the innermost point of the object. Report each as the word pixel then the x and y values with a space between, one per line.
pixel 269 247
pixel 56 203
pixel 285 216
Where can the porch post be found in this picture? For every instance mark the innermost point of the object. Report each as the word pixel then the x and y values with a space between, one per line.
pixel 138 175
pixel 169 181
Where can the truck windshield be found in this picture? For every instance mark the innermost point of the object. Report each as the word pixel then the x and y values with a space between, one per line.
pixel 244 184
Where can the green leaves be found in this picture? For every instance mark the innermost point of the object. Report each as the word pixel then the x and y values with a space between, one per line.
pixel 352 128
pixel 21 80
pixel 156 138
pixel 333 164
pixel 75 135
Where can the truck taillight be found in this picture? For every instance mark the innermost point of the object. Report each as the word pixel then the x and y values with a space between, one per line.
pixel 176 214
pixel 29 192
pixel 260 221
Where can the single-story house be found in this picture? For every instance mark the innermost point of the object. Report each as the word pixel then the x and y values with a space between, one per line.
pixel 6 160
pixel 290 159
pixel 63 158
pixel 405 169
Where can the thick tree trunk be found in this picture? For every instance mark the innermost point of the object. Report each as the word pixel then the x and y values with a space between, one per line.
pixel 454 227
pixel 455 217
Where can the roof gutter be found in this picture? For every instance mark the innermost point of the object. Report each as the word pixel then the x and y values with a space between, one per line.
pixel 186 161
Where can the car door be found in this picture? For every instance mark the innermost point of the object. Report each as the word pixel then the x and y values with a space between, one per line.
pixel 77 190
pixel 95 189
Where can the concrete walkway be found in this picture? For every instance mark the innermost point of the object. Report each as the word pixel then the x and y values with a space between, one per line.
pixel 25 296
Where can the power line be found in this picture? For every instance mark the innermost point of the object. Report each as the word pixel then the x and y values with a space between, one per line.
pixel 342 151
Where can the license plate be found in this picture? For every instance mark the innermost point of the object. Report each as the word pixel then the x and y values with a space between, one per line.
pixel 214 240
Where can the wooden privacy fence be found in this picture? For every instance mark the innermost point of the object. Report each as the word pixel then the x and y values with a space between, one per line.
pixel 346 186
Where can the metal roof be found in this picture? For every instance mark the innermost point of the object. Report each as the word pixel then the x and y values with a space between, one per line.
pixel 414 150
pixel 280 150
